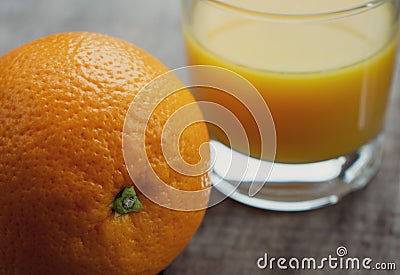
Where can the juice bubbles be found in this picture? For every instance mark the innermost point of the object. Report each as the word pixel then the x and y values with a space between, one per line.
pixel 326 82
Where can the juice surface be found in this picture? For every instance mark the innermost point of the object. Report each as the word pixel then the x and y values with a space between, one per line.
pixel 326 84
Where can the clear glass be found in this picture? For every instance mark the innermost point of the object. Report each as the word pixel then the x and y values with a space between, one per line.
pixel 324 68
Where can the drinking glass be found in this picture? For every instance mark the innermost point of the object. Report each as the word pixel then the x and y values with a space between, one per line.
pixel 323 67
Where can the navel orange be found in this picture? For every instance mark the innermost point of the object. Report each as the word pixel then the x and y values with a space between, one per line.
pixel 63 100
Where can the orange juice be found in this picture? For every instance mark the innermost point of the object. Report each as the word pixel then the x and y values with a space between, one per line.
pixel 326 84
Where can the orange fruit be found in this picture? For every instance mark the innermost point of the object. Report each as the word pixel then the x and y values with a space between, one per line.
pixel 63 100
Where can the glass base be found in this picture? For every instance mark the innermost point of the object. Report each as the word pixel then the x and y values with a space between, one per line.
pixel 293 187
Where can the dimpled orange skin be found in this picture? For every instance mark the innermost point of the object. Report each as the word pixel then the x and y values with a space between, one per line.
pixel 63 100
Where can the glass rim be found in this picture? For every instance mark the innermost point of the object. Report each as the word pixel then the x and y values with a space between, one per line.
pixel 369 4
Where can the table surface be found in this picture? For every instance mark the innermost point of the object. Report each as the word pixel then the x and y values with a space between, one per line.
pixel 232 236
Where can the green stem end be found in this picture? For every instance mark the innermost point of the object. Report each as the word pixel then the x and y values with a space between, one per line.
pixel 126 202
